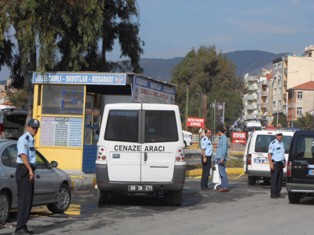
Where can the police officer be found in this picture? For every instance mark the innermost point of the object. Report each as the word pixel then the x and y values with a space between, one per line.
pixel 276 158
pixel 26 165
pixel 207 152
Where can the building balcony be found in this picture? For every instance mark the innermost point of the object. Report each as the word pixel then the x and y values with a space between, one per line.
pixel 251 107
pixel 251 79
pixel 249 117
pixel 252 88
pixel 264 94
pixel 291 105
pixel 264 83
pixel 251 97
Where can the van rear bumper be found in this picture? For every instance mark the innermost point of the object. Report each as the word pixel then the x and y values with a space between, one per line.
pixel 299 188
pixel 103 182
pixel 264 174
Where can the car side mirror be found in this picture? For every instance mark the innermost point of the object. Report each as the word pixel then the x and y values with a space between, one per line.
pixel 54 164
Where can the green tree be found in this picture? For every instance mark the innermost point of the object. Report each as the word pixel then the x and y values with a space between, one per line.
pixel 305 121
pixel 206 72
pixel 18 98
pixel 67 35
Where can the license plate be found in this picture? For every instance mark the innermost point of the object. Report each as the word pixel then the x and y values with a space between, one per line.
pixel 140 188
pixel 261 161
pixel 311 172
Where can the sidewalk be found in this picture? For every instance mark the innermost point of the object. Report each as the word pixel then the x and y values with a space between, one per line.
pixel 82 181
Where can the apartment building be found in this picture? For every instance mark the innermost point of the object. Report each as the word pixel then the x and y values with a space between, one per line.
pixel 256 99
pixel 300 100
pixel 250 111
pixel 290 73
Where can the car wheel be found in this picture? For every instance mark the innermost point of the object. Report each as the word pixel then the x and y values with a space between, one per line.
pixel 176 198
pixel 252 180
pixel 4 207
pixel 294 198
pixel 63 200
pixel 102 196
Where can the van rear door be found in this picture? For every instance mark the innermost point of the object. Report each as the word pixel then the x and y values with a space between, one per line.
pixel 260 152
pixel 142 141
pixel 122 142
pixel 160 142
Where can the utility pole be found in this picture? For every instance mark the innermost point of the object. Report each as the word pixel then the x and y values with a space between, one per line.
pixel 186 107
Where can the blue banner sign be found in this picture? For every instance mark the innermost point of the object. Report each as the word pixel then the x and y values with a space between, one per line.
pixel 116 79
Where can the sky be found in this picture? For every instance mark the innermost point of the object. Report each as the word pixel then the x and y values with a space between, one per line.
pixel 172 28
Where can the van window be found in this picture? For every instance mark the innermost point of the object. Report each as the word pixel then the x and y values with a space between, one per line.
pixel 305 147
pixel 122 125
pixel 253 128
pixel 17 118
pixel 160 126
pixel 263 141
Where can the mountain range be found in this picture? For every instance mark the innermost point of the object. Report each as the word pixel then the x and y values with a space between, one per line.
pixel 247 61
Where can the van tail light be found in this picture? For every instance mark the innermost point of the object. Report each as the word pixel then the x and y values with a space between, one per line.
pixel 1 128
pixel 180 156
pixel 101 154
pixel 249 159
pixel 289 169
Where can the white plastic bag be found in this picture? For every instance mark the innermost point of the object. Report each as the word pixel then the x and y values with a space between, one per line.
pixel 216 176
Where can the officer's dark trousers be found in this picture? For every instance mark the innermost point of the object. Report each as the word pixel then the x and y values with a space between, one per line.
pixel 276 179
pixel 25 191
pixel 205 171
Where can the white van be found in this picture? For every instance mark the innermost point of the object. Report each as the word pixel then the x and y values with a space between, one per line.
pixel 187 138
pixel 140 150
pixel 252 126
pixel 255 158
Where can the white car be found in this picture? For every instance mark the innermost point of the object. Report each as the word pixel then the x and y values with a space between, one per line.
pixel 255 158
pixel 187 138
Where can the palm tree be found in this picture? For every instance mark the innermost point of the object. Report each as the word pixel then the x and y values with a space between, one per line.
pixel 305 121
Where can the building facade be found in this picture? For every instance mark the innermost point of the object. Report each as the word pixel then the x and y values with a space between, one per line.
pixel 300 100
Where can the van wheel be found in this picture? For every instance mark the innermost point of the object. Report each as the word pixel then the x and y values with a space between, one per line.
pixel 294 198
pixel 102 196
pixel 4 207
pixel 252 180
pixel 176 198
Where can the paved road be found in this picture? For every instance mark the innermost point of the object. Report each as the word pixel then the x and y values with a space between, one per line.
pixel 244 210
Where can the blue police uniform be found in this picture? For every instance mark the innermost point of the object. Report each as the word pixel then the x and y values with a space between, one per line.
pixel 206 144
pixel 25 187
pixel 25 145
pixel 277 150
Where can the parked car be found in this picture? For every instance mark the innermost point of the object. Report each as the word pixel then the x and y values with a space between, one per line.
pixel 187 138
pixel 12 122
pixel 300 173
pixel 255 158
pixel 52 185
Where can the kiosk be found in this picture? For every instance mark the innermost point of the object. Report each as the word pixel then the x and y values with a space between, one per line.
pixel 69 107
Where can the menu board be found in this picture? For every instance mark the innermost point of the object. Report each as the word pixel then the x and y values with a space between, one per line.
pixel 61 131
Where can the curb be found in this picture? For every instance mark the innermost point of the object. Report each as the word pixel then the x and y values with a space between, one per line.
pixel 230 171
